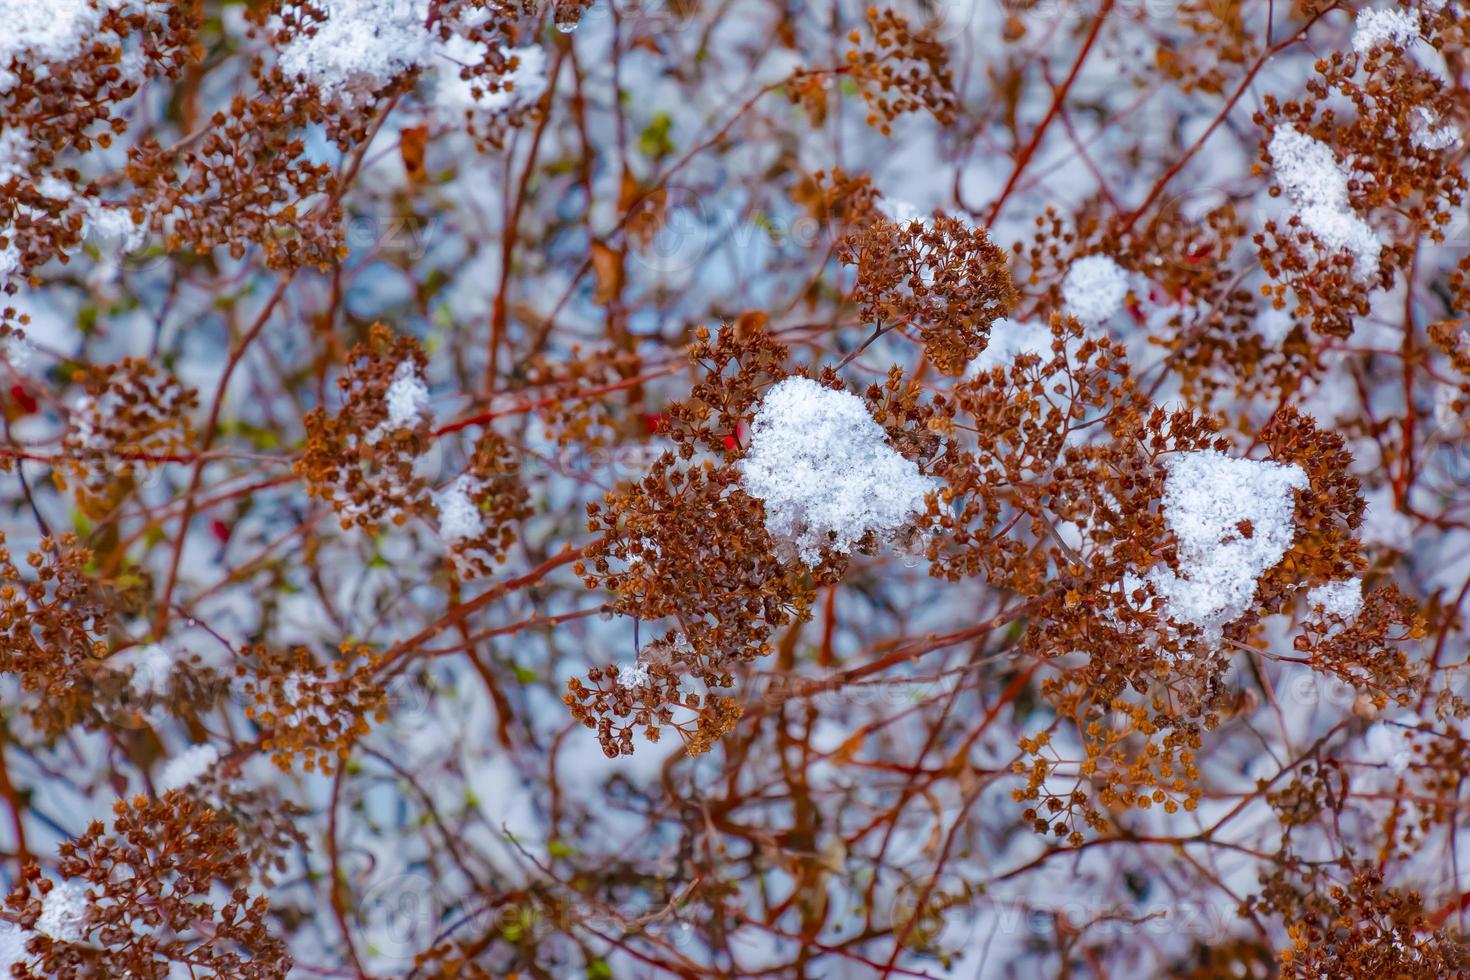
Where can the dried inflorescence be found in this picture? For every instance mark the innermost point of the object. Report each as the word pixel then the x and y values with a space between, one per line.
pixel 268 826
pixel 1216 41
pixel 1392 153
pixel 649 697
pixel 688 543
pixel 309 709
pixel 141 900
pixel 938 275
pixel 836 198
pixel 574 395
pixel 53 627
pixel 131 418
pixel 245 179
pixel 478 510
pixel 361 459
pixel 1101 526
pixel 245 176
pixel 1351 923
pixel 900 70
pixel 1370 649
pixel 67 98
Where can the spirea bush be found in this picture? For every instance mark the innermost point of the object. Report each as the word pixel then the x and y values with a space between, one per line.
pixel 596 488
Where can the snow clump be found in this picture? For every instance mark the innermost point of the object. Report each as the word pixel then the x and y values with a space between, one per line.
pixel 153 669
pixel 364 45
pixel 1232 519
pixel 1378 28
pixel 1318 186
pixel 407 397
pixel 64 912
pixel 1344 598
pixel 1095 289
pixel 361 46
pixel 825 471
pixel 43 32
pixel 459 518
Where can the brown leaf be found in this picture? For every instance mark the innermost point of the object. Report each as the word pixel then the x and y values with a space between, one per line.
pixel 411 145
pixel 850 746
pixel 751 321
pixel 607 263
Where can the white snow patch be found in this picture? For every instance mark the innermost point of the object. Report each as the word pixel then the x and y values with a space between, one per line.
pixel 633 676
pixel 153 669
pixel 1310 174
pixel 407 397
pixel 114 227
pixel 54 30
pixel 1343 598
pixel 1387 745
pixel 1377 28
pixel 1273 325
pixel 459 518
pixel 366 44
pixel 17 351
pixel 825 470
pixel 902 212
pixel 1206 497
pixel 1094 289
pixel 1009 339
pixel 13 941
pixel 362 46
pixel 1427 135
pixel 187 767
pixel 1384 524
pixel 64 912
pixel 520 87
pixel 15 144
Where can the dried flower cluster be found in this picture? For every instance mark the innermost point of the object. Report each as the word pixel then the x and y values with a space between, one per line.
pixel 557 488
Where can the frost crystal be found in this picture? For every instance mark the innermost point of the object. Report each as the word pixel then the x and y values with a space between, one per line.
pixel 1342 598
pixel 520 87
pixel 1095 289
pixel 153 668
pixel 64 912
pixel 1317 185
pixel 634 676
pixel 1008 341
pixel 1377 28
pixel 187 767
pixel 407 397
pixel 459 518
pixel 825 470
pixel 1207 497
pixel 362 46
